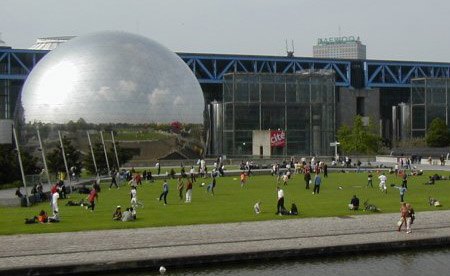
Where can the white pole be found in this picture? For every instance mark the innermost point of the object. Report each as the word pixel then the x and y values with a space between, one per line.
pixel 104 150
pixel 21 166
pixel 43 156
pixel 115 151
pixel 92 152
pixel 65 160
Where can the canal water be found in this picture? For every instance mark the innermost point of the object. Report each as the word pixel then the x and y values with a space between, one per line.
pixel 434 262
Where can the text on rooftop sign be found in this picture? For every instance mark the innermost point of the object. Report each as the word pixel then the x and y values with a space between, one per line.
pixel 336 40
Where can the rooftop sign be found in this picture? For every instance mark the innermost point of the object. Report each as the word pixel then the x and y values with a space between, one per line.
pixel 336 40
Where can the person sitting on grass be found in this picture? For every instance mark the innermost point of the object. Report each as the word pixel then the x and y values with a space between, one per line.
pixel 54 218
pixel 129 214
pixel 354 203
pixel 430 181
pixel 117 214
pixel 434 202
pixel 75 203
pixel 294 210
pixel 42 217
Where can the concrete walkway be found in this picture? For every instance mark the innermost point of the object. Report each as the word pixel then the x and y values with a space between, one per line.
pixel 197 245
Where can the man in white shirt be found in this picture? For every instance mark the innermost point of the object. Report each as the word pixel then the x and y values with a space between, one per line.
pixel 55 208
pixel 280 202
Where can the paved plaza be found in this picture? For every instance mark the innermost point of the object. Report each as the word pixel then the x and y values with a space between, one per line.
pixel 196 245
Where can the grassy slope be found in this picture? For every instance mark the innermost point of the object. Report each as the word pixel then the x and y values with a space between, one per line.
pixel 230 204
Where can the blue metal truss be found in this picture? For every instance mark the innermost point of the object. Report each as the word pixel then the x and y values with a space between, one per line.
pixel 399 74
pixel 211 68
pixel 16 64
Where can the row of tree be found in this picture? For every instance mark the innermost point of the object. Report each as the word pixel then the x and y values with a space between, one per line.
pixel 9 166
pixel 361 139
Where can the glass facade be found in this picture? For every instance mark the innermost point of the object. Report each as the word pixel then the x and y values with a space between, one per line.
pixel 301 104
pixel 429 100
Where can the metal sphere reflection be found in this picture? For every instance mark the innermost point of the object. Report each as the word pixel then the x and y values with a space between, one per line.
pixel 112 77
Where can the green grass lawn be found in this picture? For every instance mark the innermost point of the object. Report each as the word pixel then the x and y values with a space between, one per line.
pixel 231 203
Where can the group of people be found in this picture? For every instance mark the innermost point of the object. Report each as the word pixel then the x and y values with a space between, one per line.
pixel 128 215
pixel 185 185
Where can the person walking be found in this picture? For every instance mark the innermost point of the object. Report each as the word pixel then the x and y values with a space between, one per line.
pixel 158 167
pixel 410 217
pixel 402 191
pixel 405 181
pixel 180 187
pixel 113 180
pixel 55 197
pixel 369 179
pixel 280 202
pixel 188 191
pixel 134 201
pixel 403 214
pixel 93 195
pixel 192 174
pixel 382 185
pixel 164 193
pixel 211 186
pixel 317 182
pixel 307 179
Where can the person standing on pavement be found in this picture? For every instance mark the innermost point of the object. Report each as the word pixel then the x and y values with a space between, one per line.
pixel 410 217
pixel 317 182
pixel 403 214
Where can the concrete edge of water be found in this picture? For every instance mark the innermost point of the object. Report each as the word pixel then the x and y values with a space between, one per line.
pixel 152 264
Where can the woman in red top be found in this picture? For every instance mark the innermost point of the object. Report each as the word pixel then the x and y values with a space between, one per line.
pixel 91 198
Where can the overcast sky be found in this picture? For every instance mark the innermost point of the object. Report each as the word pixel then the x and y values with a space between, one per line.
pixel 391 29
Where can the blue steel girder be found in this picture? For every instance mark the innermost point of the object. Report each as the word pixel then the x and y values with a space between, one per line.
pixel 211 68
pixel 399 74
pixel 16 64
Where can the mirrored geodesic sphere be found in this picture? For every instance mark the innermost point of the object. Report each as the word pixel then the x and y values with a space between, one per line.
pixel 112 77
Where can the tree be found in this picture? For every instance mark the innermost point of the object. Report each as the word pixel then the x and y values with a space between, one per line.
pixel 124 156
pixel 100 160
pixel 55 159
pixel 9 164
pixel 438 134
pixel 358 139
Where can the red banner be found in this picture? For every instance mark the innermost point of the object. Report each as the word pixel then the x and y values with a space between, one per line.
pixel 277 138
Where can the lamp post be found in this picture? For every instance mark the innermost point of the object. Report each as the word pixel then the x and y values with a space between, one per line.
pixel 43 156
pixel 104 149
pixel 92 152
pixel 335 145
pixel 21 166
pixel 65 160
pixel 115 150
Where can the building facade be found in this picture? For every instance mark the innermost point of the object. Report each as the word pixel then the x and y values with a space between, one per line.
pixel 346 47
pixel 430 98
pixel 295 112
